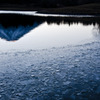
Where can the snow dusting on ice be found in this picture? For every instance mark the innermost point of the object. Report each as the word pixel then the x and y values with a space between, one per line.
pixel 64 73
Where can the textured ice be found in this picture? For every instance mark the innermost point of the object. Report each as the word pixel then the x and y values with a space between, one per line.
pixel 65 73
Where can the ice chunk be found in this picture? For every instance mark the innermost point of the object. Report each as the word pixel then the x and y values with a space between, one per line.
pixel 66 83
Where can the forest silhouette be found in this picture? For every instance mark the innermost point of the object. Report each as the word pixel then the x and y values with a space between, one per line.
pixel 49 3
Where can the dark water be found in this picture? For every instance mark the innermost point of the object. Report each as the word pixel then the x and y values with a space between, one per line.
pixel 47 58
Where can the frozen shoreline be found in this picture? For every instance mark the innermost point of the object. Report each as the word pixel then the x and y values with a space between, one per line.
pixel 35 13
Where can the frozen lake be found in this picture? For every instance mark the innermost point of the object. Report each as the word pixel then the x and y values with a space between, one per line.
pixel 46 58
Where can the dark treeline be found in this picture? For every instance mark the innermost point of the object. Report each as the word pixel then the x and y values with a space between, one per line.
pixel 61 3
pixel 49 3
pixel 10 20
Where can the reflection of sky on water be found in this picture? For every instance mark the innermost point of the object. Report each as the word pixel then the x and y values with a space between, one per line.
pixel 46 36
pixel 34 32
pixel 96 31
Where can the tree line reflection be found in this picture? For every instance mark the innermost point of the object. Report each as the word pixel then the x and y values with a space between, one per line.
pixel 13 26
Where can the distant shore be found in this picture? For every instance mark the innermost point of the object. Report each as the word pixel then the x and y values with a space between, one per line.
pixel 87 9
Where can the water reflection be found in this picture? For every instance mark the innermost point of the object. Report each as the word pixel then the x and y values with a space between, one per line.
pixel 96 31
pixel 51 32
pixel 15 33
pixel 13 26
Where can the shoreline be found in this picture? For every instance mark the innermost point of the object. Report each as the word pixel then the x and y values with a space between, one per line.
pixel 36 13
pixel 66 15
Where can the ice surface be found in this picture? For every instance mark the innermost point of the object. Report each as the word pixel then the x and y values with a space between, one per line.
pixel 65 73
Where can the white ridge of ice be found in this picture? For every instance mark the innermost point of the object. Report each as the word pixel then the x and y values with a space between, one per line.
pixel 35 13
